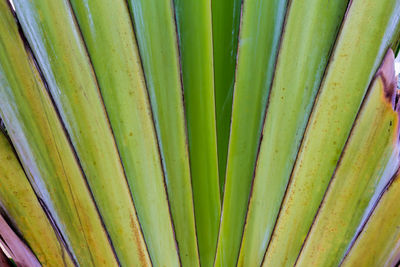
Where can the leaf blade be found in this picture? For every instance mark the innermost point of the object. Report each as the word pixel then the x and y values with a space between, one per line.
pixel 109 37
pixel 293 91
pixel 45 152
pixel 225 27
pixel 20 203
pixel 259 36
pixel 51 30
pixel 369 161
pixel 158 46
pixel 195 38
pixel 333 115
pixel 378 243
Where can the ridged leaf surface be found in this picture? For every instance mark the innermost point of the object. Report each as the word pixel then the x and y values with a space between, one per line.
pixel 195 39
pixel 108 33
pixel 43 148
pixel 313 26
pixel 369 28
pixel 52 32
pixel 379 242
pixel 368 162
pixel 155 28
pixel 19 202
pixel 260 32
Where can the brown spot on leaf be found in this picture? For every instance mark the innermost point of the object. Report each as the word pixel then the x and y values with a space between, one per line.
pixel 388 75
pixel 144 260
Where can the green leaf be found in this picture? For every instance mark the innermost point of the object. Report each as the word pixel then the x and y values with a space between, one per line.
pixel 369 160
pixel 298 76
pixel 44 150
pixel 378 243
pixel 108 33
pixel 225 27
pixel 52 32
pixel 261 27
pixel 155 29
pixel 369 28
pixel 195 36
pixel 19 202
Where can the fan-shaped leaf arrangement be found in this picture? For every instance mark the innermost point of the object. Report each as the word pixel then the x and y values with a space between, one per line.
pixel 199 133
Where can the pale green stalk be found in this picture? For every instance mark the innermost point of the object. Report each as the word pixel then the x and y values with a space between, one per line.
pixel 52 32
pixel 155 28
pixel 379 243
pixel 369 160
pixel 260 32
pixel 108 33
pixel 313 26
pixel 19 202
pixel 368 30
pixel 43 148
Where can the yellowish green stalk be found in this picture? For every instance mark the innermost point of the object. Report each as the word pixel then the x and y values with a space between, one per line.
pixel 155 29
pixel 108 33
pixel 52 32
pixel 19 202
pixel 298 75
pixel 368 30
pixel 44 150
pixel 369 160
pixel 379 242
pixel 260 32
